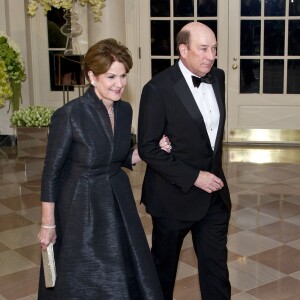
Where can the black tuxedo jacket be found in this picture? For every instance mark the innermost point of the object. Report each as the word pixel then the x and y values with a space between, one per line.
pixel 167 107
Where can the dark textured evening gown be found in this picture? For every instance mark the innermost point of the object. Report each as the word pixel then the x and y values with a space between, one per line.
pixel 101 250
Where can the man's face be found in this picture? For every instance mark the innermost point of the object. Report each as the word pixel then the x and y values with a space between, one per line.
pixel 200 54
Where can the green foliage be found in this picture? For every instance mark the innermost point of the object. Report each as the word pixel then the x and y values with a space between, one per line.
pixel 96 6
pixel 32 116
pixel 12 72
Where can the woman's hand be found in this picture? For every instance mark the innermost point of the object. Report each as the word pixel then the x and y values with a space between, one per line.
pixel 46 236
pixel 47 232
pixel 165 144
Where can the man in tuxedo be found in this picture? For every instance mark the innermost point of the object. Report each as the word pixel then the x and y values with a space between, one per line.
pixel 185 190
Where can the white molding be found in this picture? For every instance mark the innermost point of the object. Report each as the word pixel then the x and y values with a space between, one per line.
pixel 133 89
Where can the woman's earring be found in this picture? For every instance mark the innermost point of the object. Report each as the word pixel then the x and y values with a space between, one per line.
pixel 91 76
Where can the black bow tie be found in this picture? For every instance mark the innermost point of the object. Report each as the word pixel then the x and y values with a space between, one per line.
pixel 208 78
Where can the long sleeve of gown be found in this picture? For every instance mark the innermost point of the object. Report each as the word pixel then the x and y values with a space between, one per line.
pixel 58 148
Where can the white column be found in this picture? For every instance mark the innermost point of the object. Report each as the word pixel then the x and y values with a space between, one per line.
pixel 112 23
pixel 120 21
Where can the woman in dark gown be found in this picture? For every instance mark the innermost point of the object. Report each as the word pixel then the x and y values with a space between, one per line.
pixel 88 210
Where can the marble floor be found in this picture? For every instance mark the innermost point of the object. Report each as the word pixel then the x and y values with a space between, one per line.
pixel 263 241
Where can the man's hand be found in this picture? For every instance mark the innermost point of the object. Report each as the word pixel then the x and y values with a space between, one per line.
pixel 208 182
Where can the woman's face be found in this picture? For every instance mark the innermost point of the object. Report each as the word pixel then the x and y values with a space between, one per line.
pixel 110 85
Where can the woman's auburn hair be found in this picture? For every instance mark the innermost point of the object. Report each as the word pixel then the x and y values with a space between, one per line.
pixel 101 55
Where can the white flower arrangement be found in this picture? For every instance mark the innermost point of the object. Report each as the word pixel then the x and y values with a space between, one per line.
pixel 12 72
pixel 96 6
pixel 32 116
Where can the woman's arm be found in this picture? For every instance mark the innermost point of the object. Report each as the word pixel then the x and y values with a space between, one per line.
pixel 47 232
pixel 164 144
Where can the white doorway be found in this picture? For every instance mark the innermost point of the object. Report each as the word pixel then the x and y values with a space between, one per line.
pixel 257 48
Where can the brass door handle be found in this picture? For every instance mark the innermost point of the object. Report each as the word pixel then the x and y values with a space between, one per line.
pixel 234 66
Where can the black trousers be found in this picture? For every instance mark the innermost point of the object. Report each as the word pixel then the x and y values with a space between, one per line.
pixel 209 239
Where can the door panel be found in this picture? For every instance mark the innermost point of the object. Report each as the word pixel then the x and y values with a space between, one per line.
pixel 257 47
pixel 167 17
pixel 262 89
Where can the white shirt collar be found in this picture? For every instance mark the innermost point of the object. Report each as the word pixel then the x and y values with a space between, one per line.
pixel 187 74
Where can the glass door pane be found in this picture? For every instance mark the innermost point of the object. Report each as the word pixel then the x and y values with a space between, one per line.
pixel 266 45
pixel 167 17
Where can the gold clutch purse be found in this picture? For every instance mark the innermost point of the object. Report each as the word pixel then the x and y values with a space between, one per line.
pixel 49 266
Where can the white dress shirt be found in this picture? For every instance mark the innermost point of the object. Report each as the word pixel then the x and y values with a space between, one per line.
pixel 206 100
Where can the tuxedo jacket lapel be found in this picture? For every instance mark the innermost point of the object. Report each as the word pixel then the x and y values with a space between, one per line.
pixel 186 97
pixel 216 88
